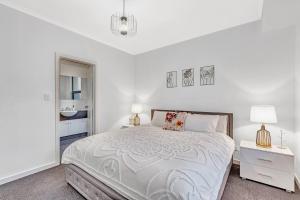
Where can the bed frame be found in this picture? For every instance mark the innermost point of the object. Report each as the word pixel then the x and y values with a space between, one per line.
pixel 93 189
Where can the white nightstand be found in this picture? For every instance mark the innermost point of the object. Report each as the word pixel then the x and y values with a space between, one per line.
pixel 272 166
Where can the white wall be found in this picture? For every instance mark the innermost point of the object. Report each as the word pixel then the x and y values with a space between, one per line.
pixel 280 14
pixel 27 72
pixel 297 82
pixel 297 109
pixel 252 67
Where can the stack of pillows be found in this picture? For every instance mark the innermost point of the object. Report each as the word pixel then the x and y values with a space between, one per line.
pixel 182 121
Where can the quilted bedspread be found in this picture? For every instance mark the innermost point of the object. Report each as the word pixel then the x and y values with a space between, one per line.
pixel 150 163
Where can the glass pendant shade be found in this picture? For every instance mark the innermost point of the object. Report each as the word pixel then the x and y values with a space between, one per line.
pixel 123 24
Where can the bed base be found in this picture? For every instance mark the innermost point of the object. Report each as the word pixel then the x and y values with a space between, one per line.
pixel 93 189
pixel 88 186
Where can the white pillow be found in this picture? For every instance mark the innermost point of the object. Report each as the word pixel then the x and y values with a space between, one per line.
pixel 158 118
pixel 222 124
pixel 201 123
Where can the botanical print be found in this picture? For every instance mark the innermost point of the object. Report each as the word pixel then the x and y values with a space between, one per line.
pixel 171 79
pixel 188 77
pixel 207 75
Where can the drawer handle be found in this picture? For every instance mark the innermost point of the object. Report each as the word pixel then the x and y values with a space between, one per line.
pixel 264 175
pixel 265 160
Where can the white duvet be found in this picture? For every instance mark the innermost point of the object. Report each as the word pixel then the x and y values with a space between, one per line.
pixel 151 163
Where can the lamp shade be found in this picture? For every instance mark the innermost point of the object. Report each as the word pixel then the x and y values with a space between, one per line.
pixel 263 114
pixel 136 108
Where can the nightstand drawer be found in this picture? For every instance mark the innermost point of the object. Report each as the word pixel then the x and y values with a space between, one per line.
pixel 268 176
pixel 267 159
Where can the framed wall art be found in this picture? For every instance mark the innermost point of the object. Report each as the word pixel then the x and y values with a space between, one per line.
pixel 207 75
pixel 188 77
pixel 172 79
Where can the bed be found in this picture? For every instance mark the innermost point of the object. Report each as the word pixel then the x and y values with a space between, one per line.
pixel 147 162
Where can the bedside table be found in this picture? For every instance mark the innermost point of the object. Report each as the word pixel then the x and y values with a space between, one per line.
pixel 272 166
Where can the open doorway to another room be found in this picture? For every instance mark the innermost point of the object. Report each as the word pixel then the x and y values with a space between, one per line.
pixel 75 103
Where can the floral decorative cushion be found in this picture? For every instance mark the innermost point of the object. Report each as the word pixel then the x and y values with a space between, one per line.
pixel 175 121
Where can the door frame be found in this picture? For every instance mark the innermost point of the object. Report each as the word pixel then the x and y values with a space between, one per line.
pixel 58 57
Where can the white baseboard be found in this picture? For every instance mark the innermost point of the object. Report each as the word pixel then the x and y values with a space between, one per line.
pixel 26 173
pixel 297 180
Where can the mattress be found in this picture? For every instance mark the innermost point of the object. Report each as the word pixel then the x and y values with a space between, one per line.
pixel 151 163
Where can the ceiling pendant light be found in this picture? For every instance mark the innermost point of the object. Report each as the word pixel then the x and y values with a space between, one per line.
pixel 123 24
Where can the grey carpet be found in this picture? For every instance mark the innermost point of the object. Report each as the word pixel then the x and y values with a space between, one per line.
pixel 51 185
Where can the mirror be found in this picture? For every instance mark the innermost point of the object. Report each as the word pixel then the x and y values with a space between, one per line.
pixel 73 88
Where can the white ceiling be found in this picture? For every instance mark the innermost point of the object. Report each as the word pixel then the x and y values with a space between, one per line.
pixel 160 22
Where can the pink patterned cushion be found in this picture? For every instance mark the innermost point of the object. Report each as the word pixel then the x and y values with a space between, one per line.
pixel 175 121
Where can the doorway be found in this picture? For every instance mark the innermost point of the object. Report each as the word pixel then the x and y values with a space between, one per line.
pixel 74 102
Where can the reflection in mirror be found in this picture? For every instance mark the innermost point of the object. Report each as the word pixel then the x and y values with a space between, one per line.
pixel 73 88
pixel 76 88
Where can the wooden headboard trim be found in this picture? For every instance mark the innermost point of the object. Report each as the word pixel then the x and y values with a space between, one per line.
pixel 229 116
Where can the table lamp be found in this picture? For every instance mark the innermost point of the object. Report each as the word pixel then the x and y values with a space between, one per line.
pixel 263 115
pixel 136 109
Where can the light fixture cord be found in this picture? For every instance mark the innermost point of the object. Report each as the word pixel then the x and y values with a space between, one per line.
pixel 123 7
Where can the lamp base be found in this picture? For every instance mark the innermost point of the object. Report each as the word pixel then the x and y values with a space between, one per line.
pixel 263 138
pixel 136 120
